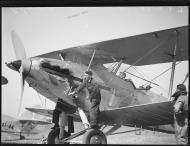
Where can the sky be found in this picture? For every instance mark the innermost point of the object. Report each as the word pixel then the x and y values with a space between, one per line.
pixel 46 29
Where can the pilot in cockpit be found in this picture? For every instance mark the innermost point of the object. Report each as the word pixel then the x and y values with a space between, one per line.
pixel 122 75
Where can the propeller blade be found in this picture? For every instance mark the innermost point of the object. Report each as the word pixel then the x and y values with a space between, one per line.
pixel 20 55
pixel 22 90
pixel 18 46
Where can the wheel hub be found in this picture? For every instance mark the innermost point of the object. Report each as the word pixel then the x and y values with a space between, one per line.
pixel 95 139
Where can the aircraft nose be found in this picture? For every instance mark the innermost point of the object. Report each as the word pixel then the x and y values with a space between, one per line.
pixel 24 63
pixel 15 65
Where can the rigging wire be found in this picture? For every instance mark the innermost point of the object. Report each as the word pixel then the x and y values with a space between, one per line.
pixel 187 75
pixel 163 72
pixel 143 76
pixel 148 53
pixel 160 75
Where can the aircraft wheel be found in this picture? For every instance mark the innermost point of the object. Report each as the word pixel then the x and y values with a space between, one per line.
pixel 53 136
pixel 93 136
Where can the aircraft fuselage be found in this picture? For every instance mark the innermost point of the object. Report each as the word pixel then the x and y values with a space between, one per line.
pixel 121 93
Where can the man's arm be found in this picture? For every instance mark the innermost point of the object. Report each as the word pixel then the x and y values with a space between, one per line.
pixel 81 87
pixel 178 107
pixel 179 103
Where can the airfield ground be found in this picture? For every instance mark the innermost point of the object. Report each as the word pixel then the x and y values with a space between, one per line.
pixel 124 135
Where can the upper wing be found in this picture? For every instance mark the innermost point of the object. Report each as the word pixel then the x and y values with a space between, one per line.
pixel 145 115
pixel 144 49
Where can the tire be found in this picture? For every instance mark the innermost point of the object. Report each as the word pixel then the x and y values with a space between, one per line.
pixel 93 136
pixel 53 136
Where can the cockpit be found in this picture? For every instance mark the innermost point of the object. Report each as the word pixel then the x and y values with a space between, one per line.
pixel 122 75
pixel 114 69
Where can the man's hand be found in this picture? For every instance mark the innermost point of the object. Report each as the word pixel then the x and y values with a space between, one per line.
pixel 72 93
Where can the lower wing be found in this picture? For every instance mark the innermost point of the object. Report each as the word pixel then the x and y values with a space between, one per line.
pixel 145 115
pixel 49 113
pixel 140 115
pixel 153 114
pixel 36 122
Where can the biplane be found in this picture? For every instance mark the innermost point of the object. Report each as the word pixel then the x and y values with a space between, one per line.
pixel 27 124
pixel 122 102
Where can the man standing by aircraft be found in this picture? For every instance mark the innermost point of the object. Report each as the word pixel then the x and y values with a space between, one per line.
pixel 122 75
pixel 94 96
pixel 59 108
pixel 55 119
pixel 180 100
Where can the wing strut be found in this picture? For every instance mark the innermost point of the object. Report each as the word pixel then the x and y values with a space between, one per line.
pixel 91 60
pixel 173 67
pixel 117 65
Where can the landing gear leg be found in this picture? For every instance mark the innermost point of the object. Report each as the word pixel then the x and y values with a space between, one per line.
pixel 137 130
pixel 83 118
pixel 62 122
pixel 56 135
pixel 92 136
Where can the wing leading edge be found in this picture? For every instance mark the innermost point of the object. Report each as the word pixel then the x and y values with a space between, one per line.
pixel 152 48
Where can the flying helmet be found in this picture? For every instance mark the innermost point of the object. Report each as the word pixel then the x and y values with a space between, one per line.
pixel 181 87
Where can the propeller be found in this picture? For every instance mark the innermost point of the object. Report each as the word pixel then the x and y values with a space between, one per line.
pixel 20 55
pixel 22 89
pixel 18 46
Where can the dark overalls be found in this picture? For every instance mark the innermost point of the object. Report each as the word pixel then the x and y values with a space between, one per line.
pixel 55 119
pixel 95 98
pixel 181 119
pixel 60 107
